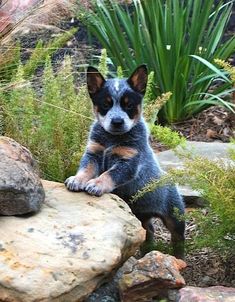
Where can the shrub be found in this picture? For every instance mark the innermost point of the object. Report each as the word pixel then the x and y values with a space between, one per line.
pixel 10 56
pixel 215 180
pixel 53 126
pixel 171 139
pixel 164 34
pixel 42 51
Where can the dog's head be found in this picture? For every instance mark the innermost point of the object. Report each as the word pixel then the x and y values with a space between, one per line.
pixel 117 102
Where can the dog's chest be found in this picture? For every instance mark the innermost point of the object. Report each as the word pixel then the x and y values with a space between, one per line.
pixel 108 159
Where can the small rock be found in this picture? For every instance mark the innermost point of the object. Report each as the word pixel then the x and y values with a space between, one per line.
pixel 21 190
pixel 150 276
pixel 207 294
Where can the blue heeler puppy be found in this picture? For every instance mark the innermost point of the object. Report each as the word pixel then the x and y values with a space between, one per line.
pixel 118 156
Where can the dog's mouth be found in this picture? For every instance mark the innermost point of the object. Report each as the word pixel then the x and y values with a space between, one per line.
pixel 117 132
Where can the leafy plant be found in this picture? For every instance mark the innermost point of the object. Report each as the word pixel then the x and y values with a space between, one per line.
pixel 42 51
pixel 151 108
pixel 170 138
pixel 215 180
pixel 164 34
pixel 225 82
pixel 53 126
pixel 10 62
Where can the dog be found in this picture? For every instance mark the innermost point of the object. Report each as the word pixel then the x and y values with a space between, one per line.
pixel 118 156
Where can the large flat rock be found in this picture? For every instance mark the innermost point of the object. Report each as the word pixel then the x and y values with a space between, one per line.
pixel 66 250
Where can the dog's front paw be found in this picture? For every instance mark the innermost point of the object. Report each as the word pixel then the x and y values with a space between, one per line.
pixel 73 183
pixel 94 187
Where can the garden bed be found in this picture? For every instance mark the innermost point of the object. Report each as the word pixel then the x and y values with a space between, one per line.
pixel 205 266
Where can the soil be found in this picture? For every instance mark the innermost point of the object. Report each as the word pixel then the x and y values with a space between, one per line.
pixel 214 123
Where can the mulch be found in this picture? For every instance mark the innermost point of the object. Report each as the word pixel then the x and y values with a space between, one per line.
pixel 214 123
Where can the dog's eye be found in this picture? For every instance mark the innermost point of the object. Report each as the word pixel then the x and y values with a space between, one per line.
pixel 129 106
pixel 107 104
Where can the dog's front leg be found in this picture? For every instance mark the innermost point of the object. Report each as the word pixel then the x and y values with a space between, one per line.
pixel 123 169
pixel 89 168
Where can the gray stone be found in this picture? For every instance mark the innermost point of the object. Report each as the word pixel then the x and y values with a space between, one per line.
pixel 169 160
pixel 68 249
pixel 21 190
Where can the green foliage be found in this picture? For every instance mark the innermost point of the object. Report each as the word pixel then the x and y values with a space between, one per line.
pixel 215 180
pixel 228 68
pixel 10 59
pixel 149 96
pixel 164 34
pixel 53 126
pixel 119 72
pixel 165 135
pixel 41 52
pixel 103 67
pixel 223 91
pixel 152 107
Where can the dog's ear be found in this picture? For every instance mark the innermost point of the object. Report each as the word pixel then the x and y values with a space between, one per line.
pixel 95 80
pixel 138 79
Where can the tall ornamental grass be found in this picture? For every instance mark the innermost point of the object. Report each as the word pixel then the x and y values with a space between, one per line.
pixel 164 34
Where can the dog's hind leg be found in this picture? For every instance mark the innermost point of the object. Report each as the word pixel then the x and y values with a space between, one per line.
pixel 150 243
pixel 177 228
pixel 148 226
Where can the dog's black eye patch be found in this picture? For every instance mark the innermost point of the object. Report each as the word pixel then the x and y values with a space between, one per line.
pixel 103 103
pixel 107 103
pixel 130 105
pixel 127 103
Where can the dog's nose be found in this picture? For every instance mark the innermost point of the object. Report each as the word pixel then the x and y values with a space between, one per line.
pixel 117 121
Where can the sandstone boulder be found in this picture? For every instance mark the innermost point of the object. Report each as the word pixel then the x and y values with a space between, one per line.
pixel 68 249
pixel 207 294
pixel 150 277
pixel 21 190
